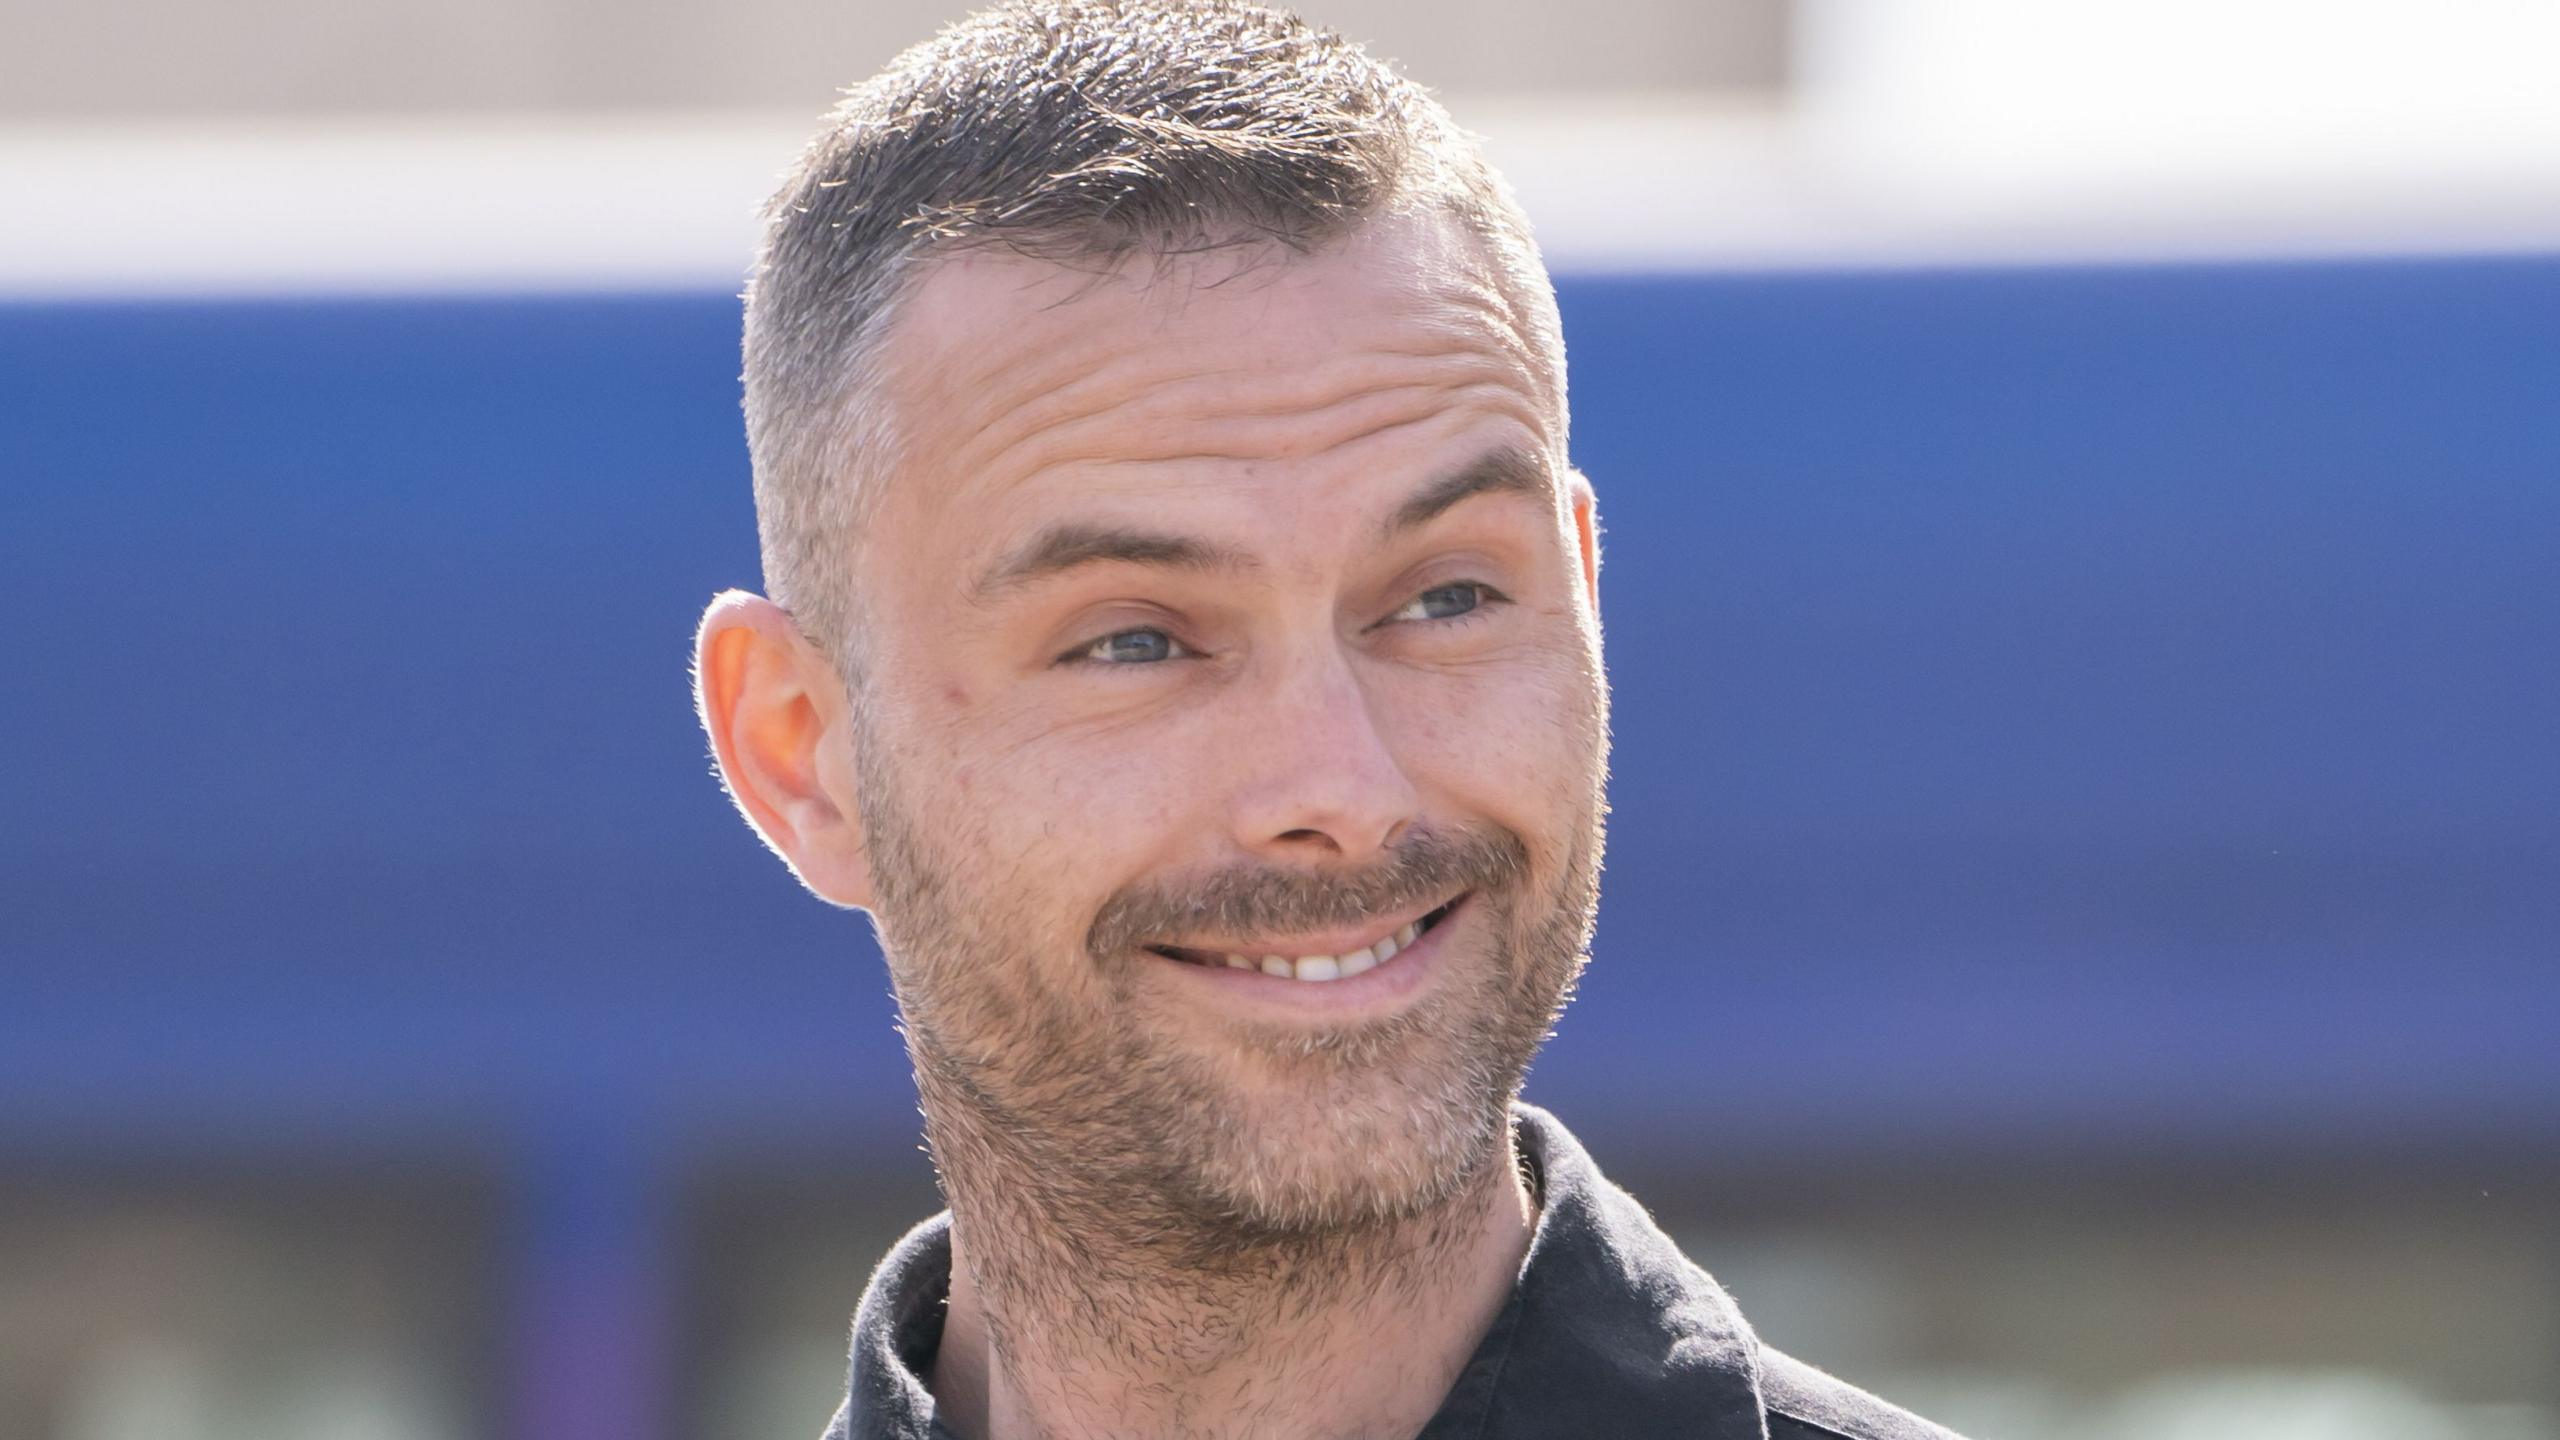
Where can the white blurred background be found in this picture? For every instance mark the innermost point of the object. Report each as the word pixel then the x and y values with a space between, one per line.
pixel 295 145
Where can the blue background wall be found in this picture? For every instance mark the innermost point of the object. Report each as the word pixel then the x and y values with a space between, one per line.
pixel 2048 703
pixel 2097 709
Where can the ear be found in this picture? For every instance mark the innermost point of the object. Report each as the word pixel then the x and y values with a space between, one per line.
pixel 1585 505
pixel 779 724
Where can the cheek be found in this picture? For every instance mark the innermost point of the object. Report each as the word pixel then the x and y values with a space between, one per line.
pixel 1124 775
pixel 1062 818
pixel 1514 739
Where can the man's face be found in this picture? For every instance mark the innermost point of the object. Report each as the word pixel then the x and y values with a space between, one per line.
pixel 1229 626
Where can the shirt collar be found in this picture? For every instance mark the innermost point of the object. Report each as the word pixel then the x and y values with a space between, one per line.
pixel 1610 1329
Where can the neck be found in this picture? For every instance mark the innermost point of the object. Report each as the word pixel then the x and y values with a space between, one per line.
pixel 1059 1330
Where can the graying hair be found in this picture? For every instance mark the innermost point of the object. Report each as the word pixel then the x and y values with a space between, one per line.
pixel 1083 131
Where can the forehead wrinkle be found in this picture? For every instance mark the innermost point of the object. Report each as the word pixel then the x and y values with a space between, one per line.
pixel 1482 287
pixel 933 349
pixel 996 416
pixel 1154 386
pixel 1139 480
pixel 1107 440
pixel 1132 387
pixel 1509 329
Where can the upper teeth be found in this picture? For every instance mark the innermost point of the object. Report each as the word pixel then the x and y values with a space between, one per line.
pixel 1327 967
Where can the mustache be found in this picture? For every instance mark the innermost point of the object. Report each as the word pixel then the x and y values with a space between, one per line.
pixel 1424 868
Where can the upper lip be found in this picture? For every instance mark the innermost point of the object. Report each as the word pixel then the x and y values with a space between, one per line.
pixel 1310 943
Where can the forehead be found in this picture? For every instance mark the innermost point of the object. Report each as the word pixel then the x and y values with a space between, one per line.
pixel 998 366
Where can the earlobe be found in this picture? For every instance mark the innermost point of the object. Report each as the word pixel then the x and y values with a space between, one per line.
pixel 776 716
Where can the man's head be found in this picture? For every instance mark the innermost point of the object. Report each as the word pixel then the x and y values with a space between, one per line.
pixel 1092 134
pixel 1160 445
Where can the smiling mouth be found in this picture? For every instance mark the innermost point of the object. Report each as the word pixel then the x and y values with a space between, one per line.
pixel 1316 968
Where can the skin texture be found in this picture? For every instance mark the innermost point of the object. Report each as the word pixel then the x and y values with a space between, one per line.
pixel 1285 713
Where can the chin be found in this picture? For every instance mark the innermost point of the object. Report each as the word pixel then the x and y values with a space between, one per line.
pixel 1317 1145
pixel 1271 1135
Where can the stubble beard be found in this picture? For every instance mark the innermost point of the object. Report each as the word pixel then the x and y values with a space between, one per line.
pixel 1125 1166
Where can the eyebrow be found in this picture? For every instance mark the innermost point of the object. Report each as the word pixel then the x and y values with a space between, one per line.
pixel 1507 471
pixel 1069 546
pixel 1076 544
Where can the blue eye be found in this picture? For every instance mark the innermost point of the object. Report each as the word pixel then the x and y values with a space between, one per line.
pixel 1445 602
pixel 1131 647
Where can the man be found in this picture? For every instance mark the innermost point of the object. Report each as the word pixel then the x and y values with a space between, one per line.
pixel 1184 643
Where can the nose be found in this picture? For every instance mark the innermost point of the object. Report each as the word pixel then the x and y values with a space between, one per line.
pixel 1319 779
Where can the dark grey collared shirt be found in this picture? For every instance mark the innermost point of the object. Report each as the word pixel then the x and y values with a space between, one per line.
pixel 1609 1332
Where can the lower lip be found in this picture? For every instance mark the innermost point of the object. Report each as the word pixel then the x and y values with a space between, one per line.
pixel 1401 976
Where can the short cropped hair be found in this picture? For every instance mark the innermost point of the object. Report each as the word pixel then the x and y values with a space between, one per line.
pixel 1083 131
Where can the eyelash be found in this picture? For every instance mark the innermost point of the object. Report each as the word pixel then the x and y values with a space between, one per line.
pixel 1082 655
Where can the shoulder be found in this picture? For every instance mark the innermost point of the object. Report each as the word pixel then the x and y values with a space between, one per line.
pixel 1806 1404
